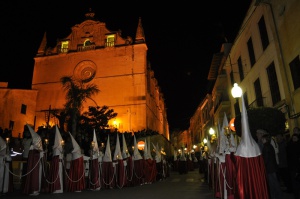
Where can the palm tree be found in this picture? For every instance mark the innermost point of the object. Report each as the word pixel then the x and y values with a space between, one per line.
pixel 76 94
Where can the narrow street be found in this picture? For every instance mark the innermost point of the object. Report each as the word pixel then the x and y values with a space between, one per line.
pixel 183 186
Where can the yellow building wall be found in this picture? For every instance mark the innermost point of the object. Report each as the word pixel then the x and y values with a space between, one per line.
pixel 11 101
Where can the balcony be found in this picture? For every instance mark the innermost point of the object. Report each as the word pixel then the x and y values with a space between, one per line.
pixel 86 48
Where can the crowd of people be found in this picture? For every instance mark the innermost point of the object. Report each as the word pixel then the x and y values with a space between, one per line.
pixel 281 158
pixel 69 169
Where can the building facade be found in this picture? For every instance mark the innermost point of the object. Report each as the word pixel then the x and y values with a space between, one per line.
pixel 118 66
pixel 264 60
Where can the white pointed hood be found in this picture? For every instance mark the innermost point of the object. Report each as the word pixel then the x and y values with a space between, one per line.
pixel 149 150
pixel 36 139
pixel 107 155
pixel 147 153
pixel 210 150
pixel 118 154
pixel 158 152
pixel 248 146
pixel 175 155
pixel 76 153
pixel 136 153
pixel 125 153
pixel 182 156
pixel 95 147
pixel 223 139
pixel 232 143
pixel 57 147
pixel 2 144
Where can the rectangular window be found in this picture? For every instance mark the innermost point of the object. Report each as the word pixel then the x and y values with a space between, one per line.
pixel 64 46
pixel 241 70
pixel 23 109
pixel 258 93
pixel 110 41
pixel 11 124
pixel 263 33
pixel 251 52
pixel 273 82
pixel 295 71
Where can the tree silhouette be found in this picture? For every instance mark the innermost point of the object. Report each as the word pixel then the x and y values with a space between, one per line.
pixel 76 94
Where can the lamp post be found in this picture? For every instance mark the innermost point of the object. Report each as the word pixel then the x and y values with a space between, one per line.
pixel 236 93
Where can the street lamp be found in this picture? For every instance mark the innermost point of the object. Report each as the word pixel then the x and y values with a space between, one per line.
pixel 236 93
pixel 212 134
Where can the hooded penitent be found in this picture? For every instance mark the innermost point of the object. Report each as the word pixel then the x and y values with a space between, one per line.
pixel 2 144
pixel 118 154
pixel 76 153
pixel 175 155
pixel 107 155
pixel 95 148
pixel 136 153
pixel 223 139
pixel 36 139
pixel 125 153
pixel 250 169
pixel 147 154
pixel 248 146
pixel 57 147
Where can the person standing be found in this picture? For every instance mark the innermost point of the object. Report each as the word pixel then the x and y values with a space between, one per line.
pixel 259 134
pixel 33 179
pixel 271 166
pixel 26 143
pixel 6 178
pixel 293 155
pixel 283 171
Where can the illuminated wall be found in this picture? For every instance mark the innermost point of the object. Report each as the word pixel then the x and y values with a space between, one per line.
pixel 116 65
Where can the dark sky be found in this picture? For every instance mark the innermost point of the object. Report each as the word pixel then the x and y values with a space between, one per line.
pixel 181 38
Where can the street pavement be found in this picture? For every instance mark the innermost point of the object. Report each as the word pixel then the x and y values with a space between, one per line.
pixel 184 186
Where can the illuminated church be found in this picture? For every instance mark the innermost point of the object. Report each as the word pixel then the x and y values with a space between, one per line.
pixel 96 55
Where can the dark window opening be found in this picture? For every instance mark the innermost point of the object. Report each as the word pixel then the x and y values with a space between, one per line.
pixel 23 109
pixel 295 71
pixel 258 93
pixel 273 82
pixel 251 52
pixel 241 70
pixel 263 33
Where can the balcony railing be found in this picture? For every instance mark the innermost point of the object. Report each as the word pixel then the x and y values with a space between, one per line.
pixel 86 48
pixel 110 44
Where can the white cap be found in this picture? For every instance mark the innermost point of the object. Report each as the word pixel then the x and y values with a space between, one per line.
pixel 248 146
pixel 107 155
pixel 118 154
pixel 76 153
pixel 136 153
pixel 36 139
pixel 57 147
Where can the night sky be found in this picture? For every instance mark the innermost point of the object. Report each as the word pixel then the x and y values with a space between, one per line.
pixel 181 39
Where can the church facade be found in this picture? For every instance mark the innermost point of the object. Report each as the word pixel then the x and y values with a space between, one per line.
pixel 96 55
